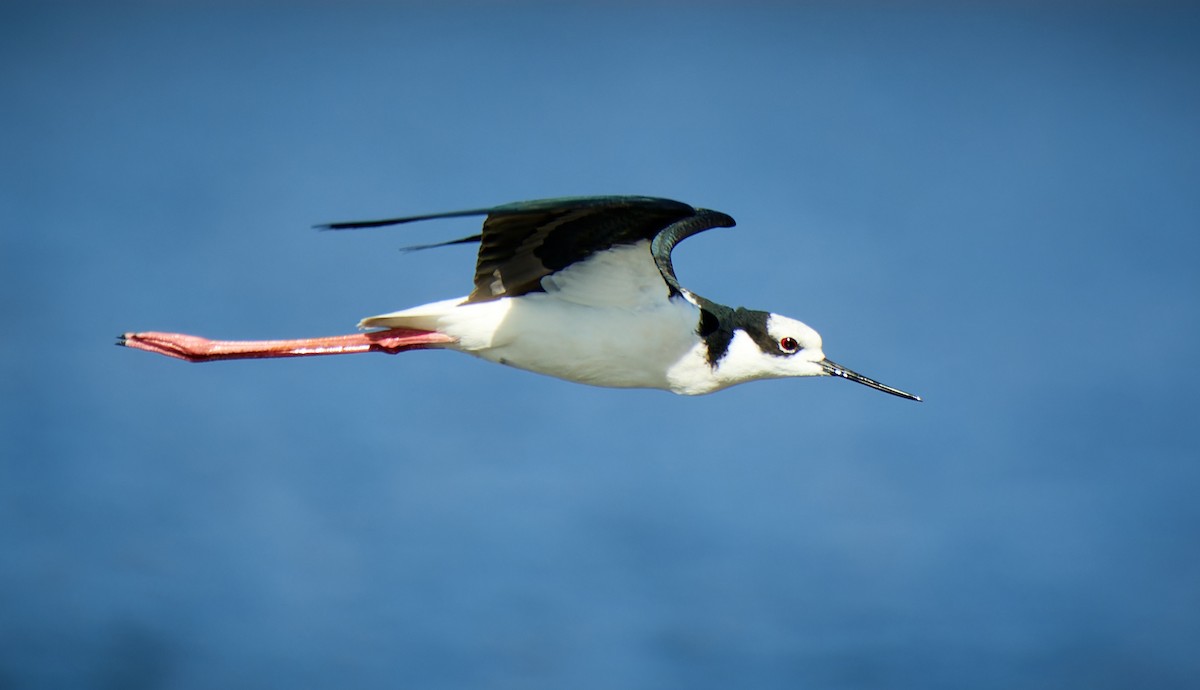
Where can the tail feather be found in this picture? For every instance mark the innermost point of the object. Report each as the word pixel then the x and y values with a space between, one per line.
pixel 422 318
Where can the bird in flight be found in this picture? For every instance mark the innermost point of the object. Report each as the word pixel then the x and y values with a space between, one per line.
pixel 579 288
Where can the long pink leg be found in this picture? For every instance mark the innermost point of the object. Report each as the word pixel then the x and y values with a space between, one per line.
pixel 193 348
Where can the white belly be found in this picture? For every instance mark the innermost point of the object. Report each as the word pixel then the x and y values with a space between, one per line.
pixel 597 345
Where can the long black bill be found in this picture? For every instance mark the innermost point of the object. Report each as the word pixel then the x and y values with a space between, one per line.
pixel 835 369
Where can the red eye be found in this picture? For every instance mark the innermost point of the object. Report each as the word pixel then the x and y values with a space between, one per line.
pixel 789 344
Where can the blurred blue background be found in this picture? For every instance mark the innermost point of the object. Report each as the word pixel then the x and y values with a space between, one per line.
pixel 992 205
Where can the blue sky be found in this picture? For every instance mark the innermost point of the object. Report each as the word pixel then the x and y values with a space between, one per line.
pixel 992 206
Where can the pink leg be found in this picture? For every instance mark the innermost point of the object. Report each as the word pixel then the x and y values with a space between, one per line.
pixel 196 349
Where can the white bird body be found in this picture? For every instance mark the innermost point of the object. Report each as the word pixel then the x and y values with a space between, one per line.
pixel 606 322
pixel 581 289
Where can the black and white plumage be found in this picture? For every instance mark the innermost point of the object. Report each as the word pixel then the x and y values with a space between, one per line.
pixel 584 289
pixel 579 288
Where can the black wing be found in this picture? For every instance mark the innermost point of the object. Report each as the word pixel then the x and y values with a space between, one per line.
pixel 524 242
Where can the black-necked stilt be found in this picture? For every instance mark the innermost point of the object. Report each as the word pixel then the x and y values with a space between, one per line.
pixel 578 288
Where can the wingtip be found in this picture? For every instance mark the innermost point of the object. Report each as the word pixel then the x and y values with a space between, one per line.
pixel 360 224
pixel 344 226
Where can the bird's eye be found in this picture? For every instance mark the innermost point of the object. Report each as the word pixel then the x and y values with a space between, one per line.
pixel 789 344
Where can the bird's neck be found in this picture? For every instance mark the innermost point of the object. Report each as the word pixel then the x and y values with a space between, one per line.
pixel 726 347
